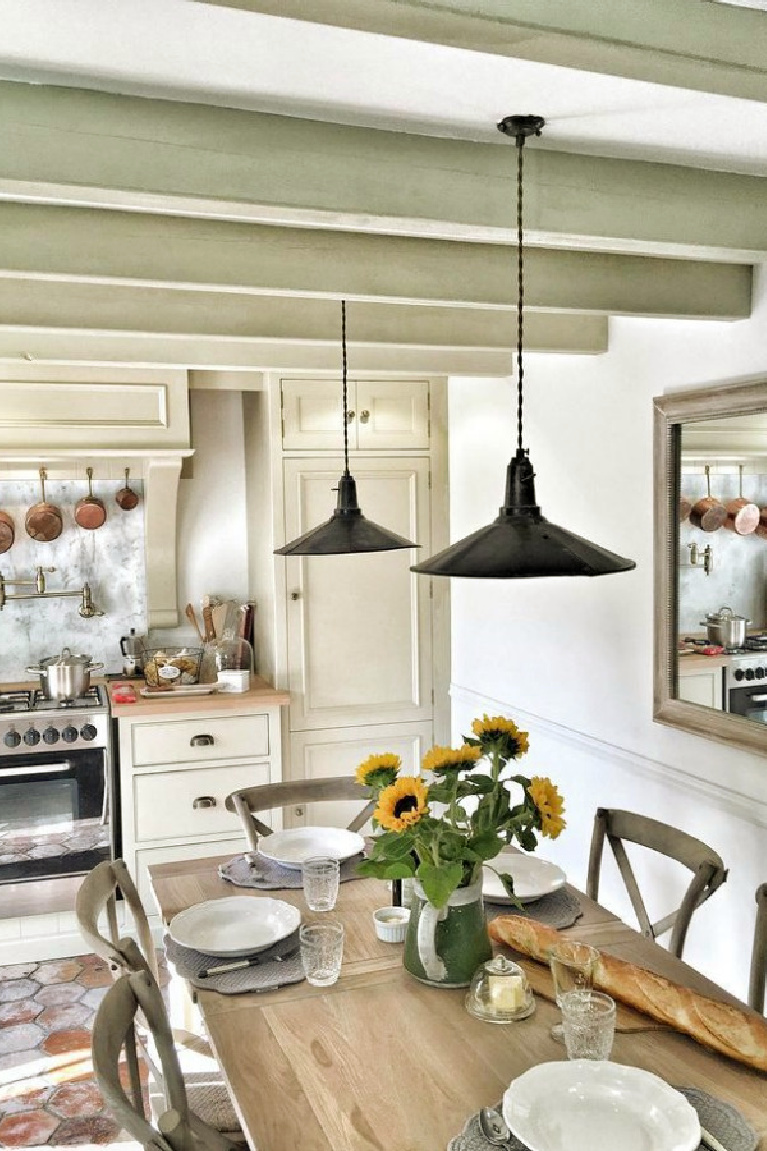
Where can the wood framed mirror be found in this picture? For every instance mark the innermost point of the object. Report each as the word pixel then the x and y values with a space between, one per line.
pixel 722 428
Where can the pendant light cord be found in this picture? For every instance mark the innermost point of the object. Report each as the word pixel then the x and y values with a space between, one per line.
pixel 343 382
pixel 520 290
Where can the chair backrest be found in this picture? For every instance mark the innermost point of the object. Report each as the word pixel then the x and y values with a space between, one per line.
pixel 178 1128
pixel 249 800
pixel 759 954
pixel 708 870
pixel 97 896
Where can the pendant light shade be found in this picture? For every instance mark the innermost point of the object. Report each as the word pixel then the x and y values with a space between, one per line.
pixel 521 543
pixel 347 531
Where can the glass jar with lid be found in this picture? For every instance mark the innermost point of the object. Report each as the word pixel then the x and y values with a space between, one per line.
pixel 234 661
pixel 500 992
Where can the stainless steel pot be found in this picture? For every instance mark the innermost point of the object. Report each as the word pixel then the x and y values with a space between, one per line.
pixel 65 676
pixel 725 628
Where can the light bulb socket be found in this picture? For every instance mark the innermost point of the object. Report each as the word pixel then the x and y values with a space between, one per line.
pixel 520 489
pixel 346 504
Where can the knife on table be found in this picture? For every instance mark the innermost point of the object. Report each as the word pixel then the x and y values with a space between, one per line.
pixel 242 964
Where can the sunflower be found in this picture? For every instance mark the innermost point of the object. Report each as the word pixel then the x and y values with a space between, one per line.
pixel 401 804
pixel 451 759
pixel 378 770
pixel 502 733
pixel 550 805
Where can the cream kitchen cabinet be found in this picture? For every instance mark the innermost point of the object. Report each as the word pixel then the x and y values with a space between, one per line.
pixel 703 685
pixel 177 768
pixel 382 414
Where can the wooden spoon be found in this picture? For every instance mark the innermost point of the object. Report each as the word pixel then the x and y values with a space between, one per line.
pixel 126 498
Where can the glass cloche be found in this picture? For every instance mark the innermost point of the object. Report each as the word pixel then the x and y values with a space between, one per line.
pixel 500 992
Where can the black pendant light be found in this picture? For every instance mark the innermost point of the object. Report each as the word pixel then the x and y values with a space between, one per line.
pixel 347 531
pixel 521 543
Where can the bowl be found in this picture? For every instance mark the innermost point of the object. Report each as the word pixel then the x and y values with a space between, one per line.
pixel 169 667
pixel 391 923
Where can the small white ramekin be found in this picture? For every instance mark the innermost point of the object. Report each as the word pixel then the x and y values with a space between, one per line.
pixel 391 923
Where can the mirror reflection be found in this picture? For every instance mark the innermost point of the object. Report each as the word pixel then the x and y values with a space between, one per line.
pixel 721 576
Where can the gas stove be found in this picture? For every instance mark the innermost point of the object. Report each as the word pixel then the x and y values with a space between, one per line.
pixel 28 720
pixel 747 665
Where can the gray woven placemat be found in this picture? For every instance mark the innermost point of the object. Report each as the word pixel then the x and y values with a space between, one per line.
pixel 270 972
pixel 559 909
pixel 253 870
pixel 723 1121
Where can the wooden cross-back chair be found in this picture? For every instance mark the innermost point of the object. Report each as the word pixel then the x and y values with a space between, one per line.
pixel 96 901
pixel 759 954
pixel 178 1127
pixel 708 870
pixel 247 801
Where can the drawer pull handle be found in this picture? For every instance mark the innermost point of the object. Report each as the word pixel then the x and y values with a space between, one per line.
pixel 204 801
pixel 201 741
pixel 365 416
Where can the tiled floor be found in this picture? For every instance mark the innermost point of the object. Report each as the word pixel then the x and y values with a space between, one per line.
pixel 47 1091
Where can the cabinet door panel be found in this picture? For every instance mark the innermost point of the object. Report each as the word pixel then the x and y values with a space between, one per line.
pixel 338 751
pixel 359 631
pixel 392 414
pixel 312 414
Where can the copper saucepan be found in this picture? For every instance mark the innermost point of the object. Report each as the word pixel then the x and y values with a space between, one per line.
pixel 90 512
pixel 742 516
pixel 685 507
pixel 126 498
pixel 708 514
pixel 7 532
pixel 43 520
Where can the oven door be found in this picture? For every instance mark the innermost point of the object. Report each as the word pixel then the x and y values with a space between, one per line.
pixel 750 702
pixel 54 814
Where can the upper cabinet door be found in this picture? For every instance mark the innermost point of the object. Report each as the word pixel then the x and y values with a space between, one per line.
pixel 392 414
pixel 312 415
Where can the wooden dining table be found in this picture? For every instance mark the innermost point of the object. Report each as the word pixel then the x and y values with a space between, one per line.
pixel 382 1062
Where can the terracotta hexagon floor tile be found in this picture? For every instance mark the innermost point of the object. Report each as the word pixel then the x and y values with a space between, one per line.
pixel 93 998
pixel 58 971
pixel 64 1017
pixel 27 1130
pixel 23 1059
pixel 19 1011
pixel 61 1042
pixel 16 971
pixel 76 1071
pixel 57 993
pixel 76 1101
pixel 21 1037
pixel 29 1096
pixel 95 976
pixel 17 989
pixel 97 1129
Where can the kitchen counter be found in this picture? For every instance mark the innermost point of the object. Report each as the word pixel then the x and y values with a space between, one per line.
pixel 695 664
pixel 261 694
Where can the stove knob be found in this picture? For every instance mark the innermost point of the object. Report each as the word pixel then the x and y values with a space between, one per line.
pixel 749 673
pixel 32 736
pixel 69 734
pixel 759 672
pixel 738 674
pixel 50 735
pixel 11 739
pixel 89 732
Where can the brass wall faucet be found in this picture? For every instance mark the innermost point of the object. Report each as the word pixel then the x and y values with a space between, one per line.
pixel 87 609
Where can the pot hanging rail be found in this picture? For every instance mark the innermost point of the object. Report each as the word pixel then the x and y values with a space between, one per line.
pixel 521 543
pixel 347 531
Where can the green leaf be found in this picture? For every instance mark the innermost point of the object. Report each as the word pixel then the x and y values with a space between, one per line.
pixel 439 883
pixel 486 845
pixel 400 870
pixel 527 838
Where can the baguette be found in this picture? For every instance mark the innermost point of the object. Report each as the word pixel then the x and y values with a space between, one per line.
pixel 735 1032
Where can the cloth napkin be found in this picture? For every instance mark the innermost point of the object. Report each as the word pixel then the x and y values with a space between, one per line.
pixel 557 909
pixel 278 965
pixel 723 1121
pixel 266 875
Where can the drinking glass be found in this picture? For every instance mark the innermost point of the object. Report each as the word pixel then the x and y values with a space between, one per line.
pixel 322 948
pixel 588 1020
pixel 572 969
pixel 321 878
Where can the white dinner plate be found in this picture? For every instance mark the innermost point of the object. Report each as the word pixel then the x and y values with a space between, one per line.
pixel 579 1105
pixel 532 877
pixel 292 847
pixel 235 926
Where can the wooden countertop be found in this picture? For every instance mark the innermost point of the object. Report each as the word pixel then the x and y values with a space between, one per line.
pixel 695 664
pixel 260 695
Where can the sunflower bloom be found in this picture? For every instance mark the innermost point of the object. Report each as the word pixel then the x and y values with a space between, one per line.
pixel 550 805
pixel 378 770
pixel 503 732
pixel 401 804
pixel 451 759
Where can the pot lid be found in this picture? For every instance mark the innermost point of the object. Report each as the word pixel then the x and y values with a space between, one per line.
pixel 724 613
pixel 66 659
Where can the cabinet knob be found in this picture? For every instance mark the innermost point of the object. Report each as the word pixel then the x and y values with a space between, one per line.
pixel 295 595
pixel 364 416
pixel 204 801
pixel 349 417
pixel 201 741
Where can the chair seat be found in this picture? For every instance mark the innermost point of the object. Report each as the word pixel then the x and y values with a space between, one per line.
pixel 205 1088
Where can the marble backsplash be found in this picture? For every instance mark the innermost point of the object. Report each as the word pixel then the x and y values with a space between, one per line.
pixel 110 559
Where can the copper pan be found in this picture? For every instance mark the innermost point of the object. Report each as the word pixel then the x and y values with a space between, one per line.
pixel 685 507
pixel 742 516
pixel 708 514
pixel 90 512
pixel 126 497
pixel 761 527
pixel 43 520
pixel 7 532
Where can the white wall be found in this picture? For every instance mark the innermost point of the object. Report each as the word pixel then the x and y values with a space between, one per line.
pixel 572 659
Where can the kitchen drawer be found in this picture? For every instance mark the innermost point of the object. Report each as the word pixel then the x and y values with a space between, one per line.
pixel 149 856
pixel 194 740
pixel 164 801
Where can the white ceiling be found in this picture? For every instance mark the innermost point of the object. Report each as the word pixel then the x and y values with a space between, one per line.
pixel 195 52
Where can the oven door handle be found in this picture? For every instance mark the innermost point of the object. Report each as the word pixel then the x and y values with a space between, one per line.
pixel 47 769
pixel 757 698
